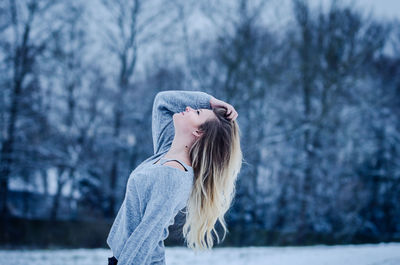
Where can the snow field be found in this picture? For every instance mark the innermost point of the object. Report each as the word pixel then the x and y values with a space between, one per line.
pixel 368 254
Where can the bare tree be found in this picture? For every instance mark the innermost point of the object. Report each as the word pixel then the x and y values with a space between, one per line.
pixel 133 23
pixel 69 48
pixel 27 41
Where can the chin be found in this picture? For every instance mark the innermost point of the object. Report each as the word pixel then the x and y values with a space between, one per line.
pixel 174 117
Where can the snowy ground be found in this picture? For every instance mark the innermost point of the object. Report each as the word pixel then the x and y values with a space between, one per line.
pixel 379 254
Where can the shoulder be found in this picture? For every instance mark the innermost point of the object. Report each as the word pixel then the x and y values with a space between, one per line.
pixel 167 176
pixel 160 177
pixel 164 183
pixel 174 164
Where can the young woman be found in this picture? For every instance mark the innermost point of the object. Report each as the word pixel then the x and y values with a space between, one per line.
pixel 196 160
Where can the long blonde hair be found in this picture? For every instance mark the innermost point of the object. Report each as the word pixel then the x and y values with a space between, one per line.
pixel 216 160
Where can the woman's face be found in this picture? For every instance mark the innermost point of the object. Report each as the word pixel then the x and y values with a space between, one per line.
pixel 188 121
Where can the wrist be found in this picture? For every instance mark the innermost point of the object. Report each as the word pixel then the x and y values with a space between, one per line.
pixel 212 100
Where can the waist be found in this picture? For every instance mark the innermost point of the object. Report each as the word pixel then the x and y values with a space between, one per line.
pixel 112 261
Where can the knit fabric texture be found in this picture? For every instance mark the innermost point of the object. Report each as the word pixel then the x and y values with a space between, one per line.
pixel 155 193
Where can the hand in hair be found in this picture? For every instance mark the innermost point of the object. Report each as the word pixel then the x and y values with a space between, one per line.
pixel 230 110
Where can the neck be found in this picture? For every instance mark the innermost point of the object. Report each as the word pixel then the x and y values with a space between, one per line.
pixel 179 150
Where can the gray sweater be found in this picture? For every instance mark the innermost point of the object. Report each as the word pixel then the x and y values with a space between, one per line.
pixel 155 193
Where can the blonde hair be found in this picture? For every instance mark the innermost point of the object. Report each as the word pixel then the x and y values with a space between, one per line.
pixel 216 160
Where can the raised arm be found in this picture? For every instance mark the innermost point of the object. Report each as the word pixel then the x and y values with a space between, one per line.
pixel 166 103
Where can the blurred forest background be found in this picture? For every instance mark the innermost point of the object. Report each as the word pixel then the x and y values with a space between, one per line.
pixel 317 90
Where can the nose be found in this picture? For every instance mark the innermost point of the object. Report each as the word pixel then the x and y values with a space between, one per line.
pixel 187 108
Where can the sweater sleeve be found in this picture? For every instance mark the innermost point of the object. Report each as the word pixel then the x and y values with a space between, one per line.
pixel 163 199
pixel 166 103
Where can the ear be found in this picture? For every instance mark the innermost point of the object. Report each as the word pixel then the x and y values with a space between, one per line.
pixel 197 133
